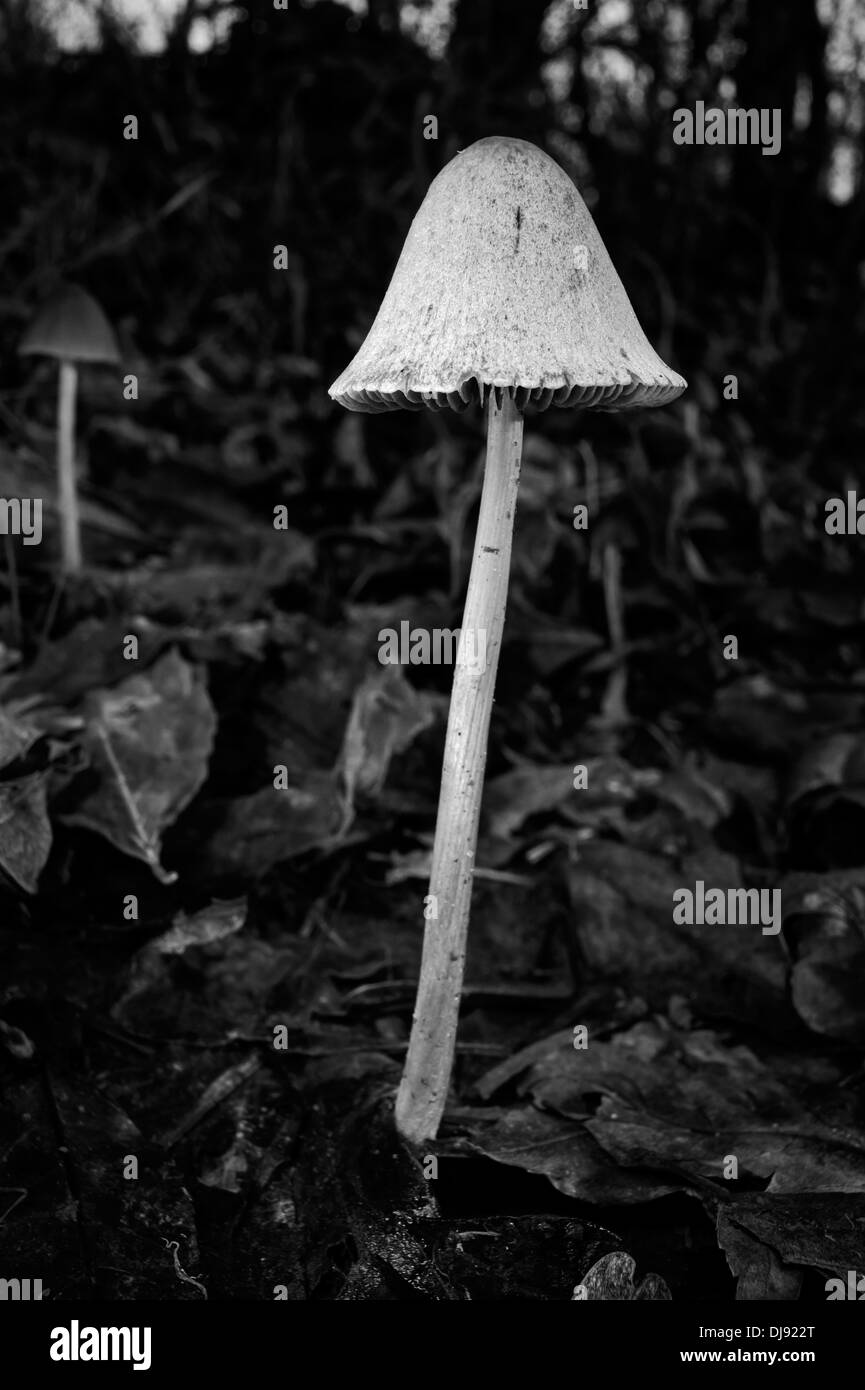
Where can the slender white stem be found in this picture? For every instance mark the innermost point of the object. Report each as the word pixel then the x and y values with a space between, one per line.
pixel 70 530
pixel 424 1086
pixel 614 706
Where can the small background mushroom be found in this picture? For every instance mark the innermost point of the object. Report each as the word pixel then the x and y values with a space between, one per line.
pixel 71 327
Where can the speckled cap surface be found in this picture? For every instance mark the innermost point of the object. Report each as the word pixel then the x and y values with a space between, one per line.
pixel 71 326
pixel 504 281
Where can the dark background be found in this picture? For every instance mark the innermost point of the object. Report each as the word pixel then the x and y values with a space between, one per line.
pixel 301 907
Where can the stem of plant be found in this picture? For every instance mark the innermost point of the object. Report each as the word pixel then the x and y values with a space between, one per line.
pixel 614 706
pixel 70 533
pixel 14 596
pixel 423 1090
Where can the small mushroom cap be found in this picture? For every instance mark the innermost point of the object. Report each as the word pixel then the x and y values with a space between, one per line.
pixel 504 281
pixel 71 326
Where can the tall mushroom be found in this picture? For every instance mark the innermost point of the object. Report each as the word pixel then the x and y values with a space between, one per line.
pixel 71 327
pixel 504 293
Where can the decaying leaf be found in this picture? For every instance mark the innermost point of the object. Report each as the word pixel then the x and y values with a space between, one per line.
pixel 612 1279
pixel 760 1273
pixel 149 740
pixel 386 715
pixel 658 1097
pixel 18 733
pixel 25 830
pixel 827 930
pixel 563 1151
pixel 816 1230
pixel 316 807
pixel 623 899
pixel 273 825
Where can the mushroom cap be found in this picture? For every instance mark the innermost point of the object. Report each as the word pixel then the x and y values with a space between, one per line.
pixel 71 326
pixel 490 291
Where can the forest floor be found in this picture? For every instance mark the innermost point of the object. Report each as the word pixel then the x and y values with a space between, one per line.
pixel 215 838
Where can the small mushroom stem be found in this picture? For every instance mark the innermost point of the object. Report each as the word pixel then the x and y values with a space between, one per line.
pixel 423 1090
pixel 70 532
pixel 614 706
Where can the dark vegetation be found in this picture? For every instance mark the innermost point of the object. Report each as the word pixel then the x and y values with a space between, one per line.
pixel 301 908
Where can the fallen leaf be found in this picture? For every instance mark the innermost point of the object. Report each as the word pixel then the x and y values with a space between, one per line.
pixel 761 1275
pixel 203 928
pixel 658 1097
pixel 529 789
pixel 317 808
pixel 147 969
pixel 826 913
pixel 818 1230
pixel 25 830
pixel 90 655
pixel 562 1150
pixel 837 762
pixel 149 740
pixel 612 1279
pixel 271 826
pixel 386 716
pixel 17 734
pixel 206 991
pixel 622 899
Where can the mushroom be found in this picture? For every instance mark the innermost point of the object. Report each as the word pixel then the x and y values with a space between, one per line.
pixel 504 295
pixel 71 327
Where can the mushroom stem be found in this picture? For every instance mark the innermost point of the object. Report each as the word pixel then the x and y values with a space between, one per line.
pixel 68 496
pixel 423 1090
